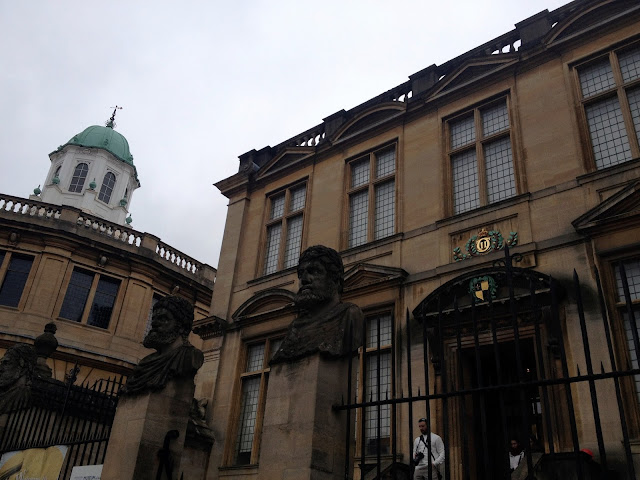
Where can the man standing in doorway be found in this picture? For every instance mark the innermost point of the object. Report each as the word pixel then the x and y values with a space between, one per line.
pixel 428 449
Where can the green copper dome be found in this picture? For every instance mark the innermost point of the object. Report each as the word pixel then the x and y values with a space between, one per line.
pixel 105 138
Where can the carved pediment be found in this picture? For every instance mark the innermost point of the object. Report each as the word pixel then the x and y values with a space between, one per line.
pixel 370 117
pixel 264 303
pixel 591 18
pixel 622 207
pixel 473 70
pixel 288 157
pixel 365 275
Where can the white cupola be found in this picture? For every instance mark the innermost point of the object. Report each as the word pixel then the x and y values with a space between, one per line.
pixel 94 172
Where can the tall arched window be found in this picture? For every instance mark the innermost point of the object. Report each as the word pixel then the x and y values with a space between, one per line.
pixel 107 187
pixel 79 176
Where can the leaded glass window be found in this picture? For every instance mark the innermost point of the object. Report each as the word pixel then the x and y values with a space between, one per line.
pixel 372 183
pixel 632 273
pixel 379 379
pixel 106 189
pixel 252 396
pixel 90 298
pixel 482 170
pixel 284 228
pixel 15 278
pixel 103 302
pixel 79 177
pixel 610 90
pixel 154 300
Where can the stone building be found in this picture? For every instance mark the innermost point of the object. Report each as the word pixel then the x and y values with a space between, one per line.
pixel 531 140
pixel 69 254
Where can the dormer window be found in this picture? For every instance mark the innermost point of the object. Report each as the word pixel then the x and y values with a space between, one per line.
pixel 106 190
pixel 79 177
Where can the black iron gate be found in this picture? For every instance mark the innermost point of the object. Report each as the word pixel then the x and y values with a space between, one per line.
pixel 56 413
pixel 493 342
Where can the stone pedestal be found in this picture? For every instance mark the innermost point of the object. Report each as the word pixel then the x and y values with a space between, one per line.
pixel 139 429
pixel 302 437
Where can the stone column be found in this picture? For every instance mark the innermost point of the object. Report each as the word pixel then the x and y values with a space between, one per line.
pixel 139 430
pixel 303 438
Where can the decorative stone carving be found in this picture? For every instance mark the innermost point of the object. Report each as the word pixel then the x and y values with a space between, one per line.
pixel 16 372
pixel 45 345
pixel 197 430
pixel 324 322
pixel 175 357
pixel 22 364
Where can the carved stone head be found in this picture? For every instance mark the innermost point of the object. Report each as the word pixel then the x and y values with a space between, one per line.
pixel 172 319
pixel 18 362
pixel 320 274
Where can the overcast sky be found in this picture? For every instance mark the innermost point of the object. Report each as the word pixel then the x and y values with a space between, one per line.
pixel 203 82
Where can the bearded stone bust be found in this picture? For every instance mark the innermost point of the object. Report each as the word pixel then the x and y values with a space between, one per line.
pixel 16 373
pixel 175 357
pixel 324 322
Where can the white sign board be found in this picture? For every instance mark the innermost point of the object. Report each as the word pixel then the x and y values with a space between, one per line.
pixel 88 472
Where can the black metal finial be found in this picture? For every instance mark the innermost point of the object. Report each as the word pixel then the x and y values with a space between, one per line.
pixel 111 123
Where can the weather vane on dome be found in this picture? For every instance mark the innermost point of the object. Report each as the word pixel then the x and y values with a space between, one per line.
pixel 111 123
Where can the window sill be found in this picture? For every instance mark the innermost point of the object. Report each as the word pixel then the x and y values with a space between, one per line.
pixel 606 172
pixel 476 212
pixel 271 276
pixel 373 244
pixel 84 325
pixel 248 469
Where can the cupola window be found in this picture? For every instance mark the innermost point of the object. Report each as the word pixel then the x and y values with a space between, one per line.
pixel 107 187
pixel 79 176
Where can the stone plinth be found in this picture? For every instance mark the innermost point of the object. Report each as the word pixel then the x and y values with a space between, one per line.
pixel 302 437
pixel 139 428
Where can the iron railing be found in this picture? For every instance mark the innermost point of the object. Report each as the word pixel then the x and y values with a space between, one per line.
pixel 495 366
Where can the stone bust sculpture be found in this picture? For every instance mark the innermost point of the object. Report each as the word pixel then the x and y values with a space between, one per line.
pixel 324 321
pixel 175 357
pixel 16 372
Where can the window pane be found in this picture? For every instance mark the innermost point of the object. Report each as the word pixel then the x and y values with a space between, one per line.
pixel 608 135
pixel 359 173
pixel 273 246
pixel 103 302
pixel 385 331
pixel 465 181
pixel 463 132
pixel 76 297
pixel 630 65
pixel 107 187
pixel 358 218
pixel 632 269
pixel 499 169
pixel 294 237
pixel 374 393
pixel 15 280
pixel 79 176
pixel 247 424
pixel 298 198
pixel 385 162
pixel 154 300
pixel 596 78
pixel 385 209
pixel 255 357
pixel 277 206
pixel 495 119
pixel 633 355
pixel 634 105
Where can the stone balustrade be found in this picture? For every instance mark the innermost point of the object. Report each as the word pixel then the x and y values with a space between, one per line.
pixel 178 258
pixel 31 208
pixel 73 219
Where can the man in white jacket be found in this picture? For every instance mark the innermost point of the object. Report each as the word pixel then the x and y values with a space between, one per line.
pixel 428 449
